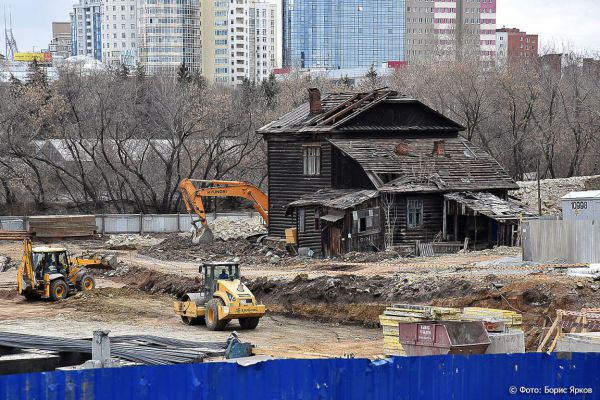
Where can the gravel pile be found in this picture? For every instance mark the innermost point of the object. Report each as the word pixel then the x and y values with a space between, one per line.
pixel 552 190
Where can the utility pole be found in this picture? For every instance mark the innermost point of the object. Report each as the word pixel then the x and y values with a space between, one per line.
pixel 539 189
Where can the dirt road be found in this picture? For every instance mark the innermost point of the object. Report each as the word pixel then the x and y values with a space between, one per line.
pixel 130 311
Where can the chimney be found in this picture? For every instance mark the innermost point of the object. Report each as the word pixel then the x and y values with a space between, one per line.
pixel 402 149
pixel 314 98
pixel 439 148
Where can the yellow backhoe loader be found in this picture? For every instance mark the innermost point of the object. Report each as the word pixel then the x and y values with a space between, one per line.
pixel 223 298
pixel 192 197
pixel 50 272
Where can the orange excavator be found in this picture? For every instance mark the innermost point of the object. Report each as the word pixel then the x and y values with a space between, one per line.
pixel 192 197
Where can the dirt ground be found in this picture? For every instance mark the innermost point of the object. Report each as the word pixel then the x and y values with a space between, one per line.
pixel 316 308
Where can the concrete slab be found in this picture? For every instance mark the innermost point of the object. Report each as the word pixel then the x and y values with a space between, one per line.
pixel 579 343
pixel 506 342
pixel 29 361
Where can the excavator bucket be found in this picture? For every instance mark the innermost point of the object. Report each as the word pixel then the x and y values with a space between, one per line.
pixel 202 235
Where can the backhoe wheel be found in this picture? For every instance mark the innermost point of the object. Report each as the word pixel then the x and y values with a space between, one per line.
pixel 249 323
pixel 87 283
pixel 212 315
pixel 193 320
pixel 58 290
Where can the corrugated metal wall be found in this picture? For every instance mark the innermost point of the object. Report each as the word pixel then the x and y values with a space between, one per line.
pixel 131 223
pixel 559 240
pixel 423 378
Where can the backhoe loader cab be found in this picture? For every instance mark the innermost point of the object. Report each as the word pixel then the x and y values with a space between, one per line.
pixel 223 298
pixel 48 273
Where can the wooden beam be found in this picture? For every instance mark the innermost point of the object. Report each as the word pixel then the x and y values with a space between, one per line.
pixel 549 333
pixel 445 220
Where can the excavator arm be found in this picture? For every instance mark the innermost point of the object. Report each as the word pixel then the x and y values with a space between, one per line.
pixel 192 197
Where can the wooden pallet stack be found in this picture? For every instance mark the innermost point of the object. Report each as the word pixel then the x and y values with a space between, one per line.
pixel 62 226
pixel 402 313
pixel 14 235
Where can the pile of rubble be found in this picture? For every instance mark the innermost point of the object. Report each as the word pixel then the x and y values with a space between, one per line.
pixel 228 229
pixel 131 242
pixel 179 247
pixel 6 263
pixel 552 190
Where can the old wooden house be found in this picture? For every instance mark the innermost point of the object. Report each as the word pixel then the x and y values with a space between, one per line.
pixel 359 171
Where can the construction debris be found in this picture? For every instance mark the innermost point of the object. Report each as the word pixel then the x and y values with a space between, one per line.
pixel 228 229
pixel 62 226
pixel 552 190
pixel 591 271
pixel 586 320
pixel 142 349
pixel 131 242
pixel 393 317
pixel 404 313
pixel 6 263
pixel 490 205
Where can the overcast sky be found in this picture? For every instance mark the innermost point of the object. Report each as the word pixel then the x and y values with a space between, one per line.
pixel 556 21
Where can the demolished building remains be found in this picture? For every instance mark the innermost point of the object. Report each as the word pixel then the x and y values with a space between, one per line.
pixel 362 170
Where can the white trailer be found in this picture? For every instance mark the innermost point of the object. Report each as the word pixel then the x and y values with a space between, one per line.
pixel 581 206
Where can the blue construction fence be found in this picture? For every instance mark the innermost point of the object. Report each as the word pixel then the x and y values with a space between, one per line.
pixel 519 376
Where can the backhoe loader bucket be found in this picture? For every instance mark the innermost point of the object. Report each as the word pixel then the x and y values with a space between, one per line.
pixel 202 235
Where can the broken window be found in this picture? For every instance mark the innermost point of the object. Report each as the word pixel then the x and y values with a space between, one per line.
pixel 415 213
pixel 301 220
pixel 312 160
pixel 366 220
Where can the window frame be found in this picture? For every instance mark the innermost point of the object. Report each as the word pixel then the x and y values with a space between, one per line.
pixel 414 206
pixel 301 220
pixel 312 163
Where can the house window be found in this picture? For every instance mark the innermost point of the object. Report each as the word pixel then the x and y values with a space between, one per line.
pixel 363 224
pixel 301 220
pixel 366 220
pixel 415 213
pixel 312 160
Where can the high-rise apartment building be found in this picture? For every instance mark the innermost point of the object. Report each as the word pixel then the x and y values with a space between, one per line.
pixel 119 32
pixel 450 29
pixel 264 22
pixel 225 40
pixel 238 40
pixel 60 46
pixel 343 34
pixel 514 46
pixel 169 35
pixel 86 29
pixel 420 40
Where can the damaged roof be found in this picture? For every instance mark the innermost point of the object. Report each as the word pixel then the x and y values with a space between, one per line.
pixel 490 205
pixel 340 199
pixel 341 112
pixel 462 167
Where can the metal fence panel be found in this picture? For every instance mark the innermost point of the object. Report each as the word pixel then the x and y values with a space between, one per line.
pixel 573 241
pixel 12 224
pixel 424 378
pixel 131 223
pixel 160 223
pixel 122 223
